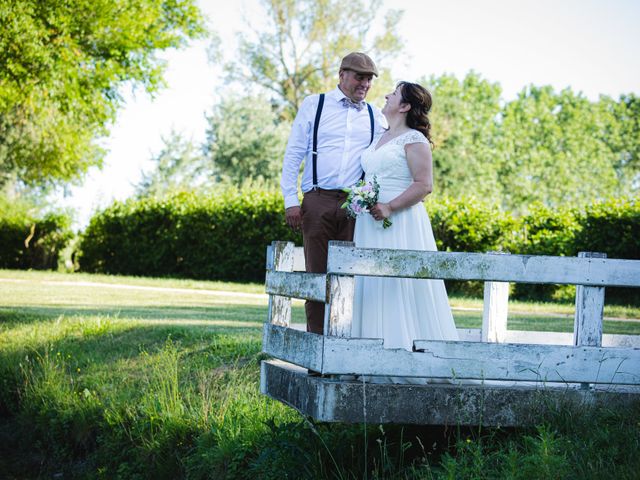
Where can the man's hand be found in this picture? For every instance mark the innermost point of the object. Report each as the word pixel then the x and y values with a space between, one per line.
pixel 294 218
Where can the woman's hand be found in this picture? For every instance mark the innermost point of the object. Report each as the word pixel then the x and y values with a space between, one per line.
pixel 380 211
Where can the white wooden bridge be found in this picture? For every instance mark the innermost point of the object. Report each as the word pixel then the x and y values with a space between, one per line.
pixel 491 376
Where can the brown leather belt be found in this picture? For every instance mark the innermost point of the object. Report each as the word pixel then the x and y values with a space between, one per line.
pixel 324 191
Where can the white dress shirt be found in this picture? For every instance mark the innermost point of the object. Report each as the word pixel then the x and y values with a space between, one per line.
pixel 343 134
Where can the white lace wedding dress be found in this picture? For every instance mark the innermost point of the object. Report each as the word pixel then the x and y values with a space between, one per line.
pixel 398 310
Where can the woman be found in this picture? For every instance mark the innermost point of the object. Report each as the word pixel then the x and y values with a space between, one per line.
pixel 401 310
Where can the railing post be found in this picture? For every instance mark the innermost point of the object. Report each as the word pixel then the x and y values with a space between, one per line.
pixel 338 314
pixel 587 328
pixel 496 307
pixel 280 257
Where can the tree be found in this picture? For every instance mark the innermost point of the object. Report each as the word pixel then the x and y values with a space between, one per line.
pixel 299 50
pixel 552 150
pixel 180 165
pixel 61 67
pixel 246 140
pixel 622 134
pixel 465 125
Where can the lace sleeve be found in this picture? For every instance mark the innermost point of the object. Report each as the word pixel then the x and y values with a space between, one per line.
pixel 414 137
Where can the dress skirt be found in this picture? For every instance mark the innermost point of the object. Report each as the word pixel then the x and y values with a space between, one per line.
pixel 400 310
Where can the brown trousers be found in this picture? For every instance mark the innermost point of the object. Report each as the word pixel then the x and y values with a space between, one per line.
pixel 322 220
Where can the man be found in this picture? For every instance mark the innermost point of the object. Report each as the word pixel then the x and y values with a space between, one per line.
pixel 346 126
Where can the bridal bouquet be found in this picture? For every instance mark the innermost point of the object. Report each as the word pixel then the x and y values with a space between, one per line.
pixel 362 196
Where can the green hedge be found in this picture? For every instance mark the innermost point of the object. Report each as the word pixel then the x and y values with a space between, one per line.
pixel 469 225
pixel 224 236
pixel 27 242
pixel 612 227
pixel 217 238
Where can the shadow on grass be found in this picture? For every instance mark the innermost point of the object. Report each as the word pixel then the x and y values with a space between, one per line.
pixel 231 312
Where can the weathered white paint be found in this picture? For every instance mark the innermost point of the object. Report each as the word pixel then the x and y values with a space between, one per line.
pixel 486 404
pixel 280 258
pixel 535 337
pixel 300 348
pixel 494 315
pixel 483 266
pixel 339 311
pixel 464 360
pixel 307 286
pixel 298 260
pixel 566 338
pixel 542 358
pixel 471 360
pixel 587 328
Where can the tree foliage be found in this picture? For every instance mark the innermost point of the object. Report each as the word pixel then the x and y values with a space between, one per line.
pixel 246 140
pixel 552 148
pixel 299 49
pixel 179 166
pixel 61 66
pixel 547 147
pixel 622 135
pixel 464 119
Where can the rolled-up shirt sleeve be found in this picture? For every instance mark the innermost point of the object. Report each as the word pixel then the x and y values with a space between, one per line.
pixel 297 149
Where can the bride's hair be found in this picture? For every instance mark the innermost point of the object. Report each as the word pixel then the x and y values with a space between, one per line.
pixel 420 100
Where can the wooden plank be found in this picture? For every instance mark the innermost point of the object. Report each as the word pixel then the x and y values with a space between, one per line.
pixel 280 257
pixel 615 340
pixel 550 338
pixel 544 338
pixel 494 315
pixel 339 311
pixel 549 363
pixel 308 286
pixel 587 329
pixel 300 348
pixel 469 334
pixel 523 362
pixel 483 266
pixel 298 260
pixel 328 400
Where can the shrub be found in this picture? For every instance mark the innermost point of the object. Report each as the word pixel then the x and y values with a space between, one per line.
pixel 28 242
pixel 469 225
pixel 221 237
pixel 612 227
pixel 545 231
pixel 133 238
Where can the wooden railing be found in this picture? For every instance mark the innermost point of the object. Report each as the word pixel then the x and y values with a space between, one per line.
pixel 491 353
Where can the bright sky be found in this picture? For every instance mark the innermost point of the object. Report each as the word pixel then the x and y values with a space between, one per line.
pixel 592 46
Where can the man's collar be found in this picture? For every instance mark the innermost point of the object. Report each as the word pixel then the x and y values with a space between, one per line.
pixel 338 95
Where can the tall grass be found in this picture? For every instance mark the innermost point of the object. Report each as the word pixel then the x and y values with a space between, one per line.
pixel 167 387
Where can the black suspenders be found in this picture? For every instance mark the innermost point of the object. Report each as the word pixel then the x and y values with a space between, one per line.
pixel 314 152
pixel 316 123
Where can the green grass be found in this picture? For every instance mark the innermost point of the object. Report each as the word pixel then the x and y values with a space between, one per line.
pixel 98 381
pixel 46 276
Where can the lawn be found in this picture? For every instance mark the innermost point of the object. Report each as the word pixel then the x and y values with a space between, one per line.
pixel 123 377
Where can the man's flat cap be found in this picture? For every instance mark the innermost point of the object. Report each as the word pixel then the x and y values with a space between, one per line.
pixel 359 63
